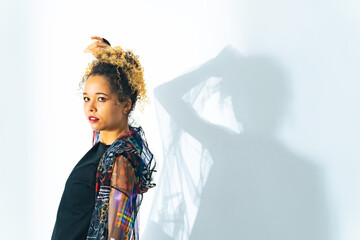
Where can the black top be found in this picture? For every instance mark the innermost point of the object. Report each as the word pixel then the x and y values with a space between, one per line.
pixel 78 199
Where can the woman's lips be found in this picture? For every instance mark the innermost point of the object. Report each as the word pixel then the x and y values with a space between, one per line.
pixel 93 119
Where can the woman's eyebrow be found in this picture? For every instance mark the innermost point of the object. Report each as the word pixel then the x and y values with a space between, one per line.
pixel 84 93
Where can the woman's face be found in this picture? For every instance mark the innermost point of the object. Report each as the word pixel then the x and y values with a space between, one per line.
pixel 102 104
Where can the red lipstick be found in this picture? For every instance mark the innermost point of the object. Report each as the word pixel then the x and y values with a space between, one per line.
pixel 93 119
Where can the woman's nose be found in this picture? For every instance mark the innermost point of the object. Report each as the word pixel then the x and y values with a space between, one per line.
pixel 92 107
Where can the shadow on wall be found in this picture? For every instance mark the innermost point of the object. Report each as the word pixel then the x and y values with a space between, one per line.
pixel 219 183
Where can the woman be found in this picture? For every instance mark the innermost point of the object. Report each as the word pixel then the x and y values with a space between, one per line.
pixel 103 193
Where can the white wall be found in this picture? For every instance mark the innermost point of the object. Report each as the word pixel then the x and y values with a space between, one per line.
pixel 288 123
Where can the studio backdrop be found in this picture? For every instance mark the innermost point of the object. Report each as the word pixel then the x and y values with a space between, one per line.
pixel 253 114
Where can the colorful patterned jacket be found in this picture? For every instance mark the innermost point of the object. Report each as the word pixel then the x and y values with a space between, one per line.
pixel 122 176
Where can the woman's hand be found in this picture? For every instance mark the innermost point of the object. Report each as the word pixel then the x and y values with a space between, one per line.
pixel 95 45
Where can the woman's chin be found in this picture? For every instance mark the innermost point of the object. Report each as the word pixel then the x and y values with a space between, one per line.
pixel 94 128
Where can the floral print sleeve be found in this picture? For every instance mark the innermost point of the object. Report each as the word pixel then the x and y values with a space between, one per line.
pixel 122 200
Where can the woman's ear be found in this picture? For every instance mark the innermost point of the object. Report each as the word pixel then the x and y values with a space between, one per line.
pixel 127 106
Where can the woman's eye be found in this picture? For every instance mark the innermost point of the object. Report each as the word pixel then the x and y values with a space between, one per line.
pixel 85 99
pixel 104 99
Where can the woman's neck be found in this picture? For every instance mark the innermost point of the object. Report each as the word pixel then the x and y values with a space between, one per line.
pixel 108 137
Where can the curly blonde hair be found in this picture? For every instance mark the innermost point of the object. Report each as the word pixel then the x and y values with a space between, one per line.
pixel 124 72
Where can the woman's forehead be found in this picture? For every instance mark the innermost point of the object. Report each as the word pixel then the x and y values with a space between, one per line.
pixel 95 84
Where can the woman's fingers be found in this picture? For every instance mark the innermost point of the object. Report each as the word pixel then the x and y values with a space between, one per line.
pixel 90 47
pixel 97 38
pixel 101 39
pixel 95 45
